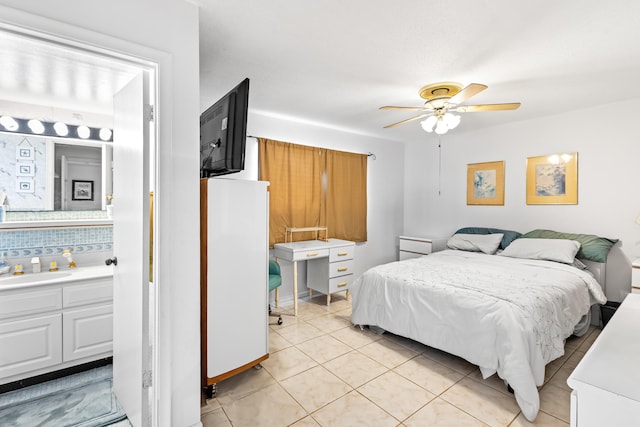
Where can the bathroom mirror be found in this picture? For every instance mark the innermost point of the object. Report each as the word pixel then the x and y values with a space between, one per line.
pixel 47 178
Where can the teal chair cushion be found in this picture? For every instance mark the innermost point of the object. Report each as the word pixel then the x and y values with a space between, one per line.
pixel 275 278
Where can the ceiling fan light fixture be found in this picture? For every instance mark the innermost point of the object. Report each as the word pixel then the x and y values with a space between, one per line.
pixel 441 127
pixel 451 120
pixel 429 123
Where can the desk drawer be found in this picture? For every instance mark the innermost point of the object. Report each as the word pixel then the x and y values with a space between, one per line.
pixel 310 254
pixel 341 283
pixel 340 254
pixel 341 268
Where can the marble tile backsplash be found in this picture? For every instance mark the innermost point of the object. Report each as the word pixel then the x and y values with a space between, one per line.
pixel 52 241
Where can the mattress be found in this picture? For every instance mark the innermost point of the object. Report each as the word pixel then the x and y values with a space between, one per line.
pixel 509 316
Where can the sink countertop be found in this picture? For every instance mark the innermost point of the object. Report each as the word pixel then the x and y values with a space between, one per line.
pixel 63 275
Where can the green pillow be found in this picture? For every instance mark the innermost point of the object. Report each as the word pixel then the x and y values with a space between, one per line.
pixel 593 248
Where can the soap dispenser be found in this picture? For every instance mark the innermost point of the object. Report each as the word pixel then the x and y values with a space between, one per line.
pixel 4 266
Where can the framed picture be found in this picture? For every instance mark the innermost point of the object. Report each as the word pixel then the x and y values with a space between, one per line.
pixel 553 179
pixel 81 190
pixel 25 169
pixel 485 183
pixel 25 185
pixel 24 153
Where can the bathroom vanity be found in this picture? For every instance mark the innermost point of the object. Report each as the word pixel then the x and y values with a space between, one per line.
pixel 54 320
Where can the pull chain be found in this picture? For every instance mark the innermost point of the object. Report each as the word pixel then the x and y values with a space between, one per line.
pixel 439 166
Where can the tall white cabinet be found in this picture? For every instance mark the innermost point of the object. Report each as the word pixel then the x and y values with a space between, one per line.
pixel 234 277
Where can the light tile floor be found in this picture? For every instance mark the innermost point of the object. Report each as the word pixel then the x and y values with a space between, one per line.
pixel 323 371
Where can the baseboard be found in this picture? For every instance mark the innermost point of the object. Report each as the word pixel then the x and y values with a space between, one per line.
pixel 26 382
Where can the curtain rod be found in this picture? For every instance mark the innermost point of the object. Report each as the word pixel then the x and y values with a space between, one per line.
pixel 369 154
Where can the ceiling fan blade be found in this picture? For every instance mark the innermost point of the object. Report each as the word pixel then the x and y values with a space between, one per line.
pixel 486 107
pixel 392 107
pixel 466 93
pixel 419 116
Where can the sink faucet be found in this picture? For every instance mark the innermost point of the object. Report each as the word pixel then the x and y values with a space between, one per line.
pixel 67 255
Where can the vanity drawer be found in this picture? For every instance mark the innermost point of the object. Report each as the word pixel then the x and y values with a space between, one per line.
pixel 88 293
pixel 341 283
pixel 30 302
pixel 341 268
pixel 340 254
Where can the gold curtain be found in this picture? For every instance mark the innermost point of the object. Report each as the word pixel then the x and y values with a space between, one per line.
pixel 294 172
pixel 346 195
pixel 312 186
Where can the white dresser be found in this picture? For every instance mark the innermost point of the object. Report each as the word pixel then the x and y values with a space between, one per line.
pixel 413 247
pixel 606 383
pixel 635 277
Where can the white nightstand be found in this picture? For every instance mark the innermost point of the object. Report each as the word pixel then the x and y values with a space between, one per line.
pixel 635 277
pixel 413 247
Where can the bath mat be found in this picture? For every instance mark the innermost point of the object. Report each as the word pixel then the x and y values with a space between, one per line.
pixel 80 401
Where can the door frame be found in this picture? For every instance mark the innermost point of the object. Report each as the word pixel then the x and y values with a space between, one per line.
pixel 139 60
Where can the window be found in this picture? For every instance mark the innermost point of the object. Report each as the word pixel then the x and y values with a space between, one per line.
pixel 311 186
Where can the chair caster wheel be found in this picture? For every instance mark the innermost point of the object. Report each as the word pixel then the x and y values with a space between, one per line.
pixel 280 321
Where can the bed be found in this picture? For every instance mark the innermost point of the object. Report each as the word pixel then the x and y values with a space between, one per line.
pixel 508 313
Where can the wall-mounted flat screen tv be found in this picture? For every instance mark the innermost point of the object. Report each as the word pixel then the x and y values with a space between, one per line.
pixel 223 133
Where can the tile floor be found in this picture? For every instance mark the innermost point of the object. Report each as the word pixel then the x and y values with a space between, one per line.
pixel 323 371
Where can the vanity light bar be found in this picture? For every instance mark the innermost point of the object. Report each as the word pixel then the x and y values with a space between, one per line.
pixel 57 129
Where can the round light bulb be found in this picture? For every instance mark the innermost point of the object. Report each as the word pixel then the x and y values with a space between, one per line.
pixel 441 127
pixel 105 134
pixel 9 123
pixel 451 120
pixel 36 126
pixel 429 123
pixel 61 129
pixel 84 132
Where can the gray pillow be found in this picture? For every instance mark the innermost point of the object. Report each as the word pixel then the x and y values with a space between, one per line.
pixel 487 243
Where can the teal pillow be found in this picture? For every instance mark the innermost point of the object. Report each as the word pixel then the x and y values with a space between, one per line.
pixel 508 236
pixel 593 248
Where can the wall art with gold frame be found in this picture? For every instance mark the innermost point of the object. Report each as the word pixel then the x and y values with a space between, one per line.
pixel 552 179
pixel 485 183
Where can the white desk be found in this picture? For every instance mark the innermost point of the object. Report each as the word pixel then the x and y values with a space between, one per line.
pixel 332 271
pixel 605 382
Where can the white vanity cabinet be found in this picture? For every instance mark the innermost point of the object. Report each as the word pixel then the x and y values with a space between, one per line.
pixel 52 326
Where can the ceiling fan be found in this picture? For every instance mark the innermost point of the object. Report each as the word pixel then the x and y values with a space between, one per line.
pixel 442 100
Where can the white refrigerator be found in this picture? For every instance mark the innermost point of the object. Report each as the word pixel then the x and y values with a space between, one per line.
pixel 234 277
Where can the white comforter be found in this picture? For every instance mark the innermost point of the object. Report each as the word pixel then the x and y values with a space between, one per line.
pixel 506 315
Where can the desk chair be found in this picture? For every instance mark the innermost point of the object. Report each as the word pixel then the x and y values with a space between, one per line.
pixel 275 280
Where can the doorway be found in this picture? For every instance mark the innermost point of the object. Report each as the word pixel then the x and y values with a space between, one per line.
pixel 66 76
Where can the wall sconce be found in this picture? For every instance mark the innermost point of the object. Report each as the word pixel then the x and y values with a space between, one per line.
pixel 57 129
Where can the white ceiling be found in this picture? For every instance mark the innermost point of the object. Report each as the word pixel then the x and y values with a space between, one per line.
pixel 334 62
